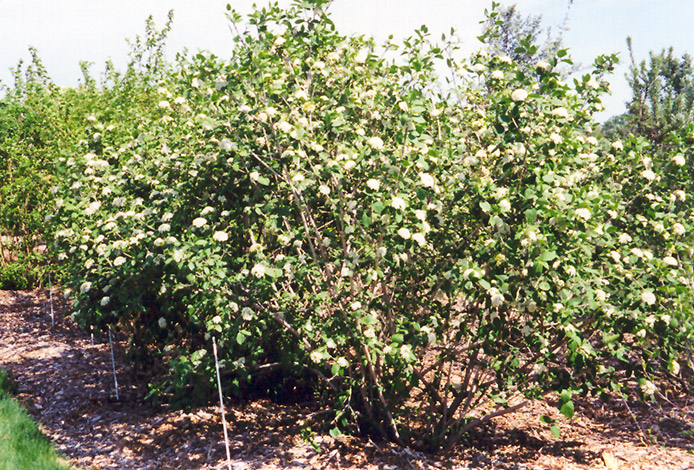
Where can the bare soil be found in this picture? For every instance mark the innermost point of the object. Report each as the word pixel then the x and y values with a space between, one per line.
pixel 66 383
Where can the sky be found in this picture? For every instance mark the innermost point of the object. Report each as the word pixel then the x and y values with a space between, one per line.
pixel 66 32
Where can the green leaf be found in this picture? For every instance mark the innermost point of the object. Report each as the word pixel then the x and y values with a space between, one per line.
pixel 531 216
pixel 548 256
pixel 544 285
pixel 378 207
pixel 554 429
pixel 608 339
pixel 240 338
pixel 546 419
pixel 567 409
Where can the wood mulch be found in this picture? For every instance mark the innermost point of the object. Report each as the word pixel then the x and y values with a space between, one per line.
pixel 66 383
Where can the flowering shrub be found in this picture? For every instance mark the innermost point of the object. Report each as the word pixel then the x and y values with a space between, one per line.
pixel 323 210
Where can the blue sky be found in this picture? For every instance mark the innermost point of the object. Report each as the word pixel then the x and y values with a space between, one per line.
pixel 68 31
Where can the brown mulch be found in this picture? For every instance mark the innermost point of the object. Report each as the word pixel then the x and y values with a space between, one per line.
pixel 66 383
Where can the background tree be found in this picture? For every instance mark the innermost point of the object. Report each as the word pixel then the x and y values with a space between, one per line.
pixel 662 97
pixel 522 38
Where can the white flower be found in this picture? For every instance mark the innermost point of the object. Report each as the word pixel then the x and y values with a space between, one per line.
pixel 373 184
pixel 199 222
pixel 624 238
pixel 349 164
pixel 519 95
pixel 398 203
pixel 92 208
pixel 600 295
pixel 164 227
pixel 403 106
pixel 375 143
pixel 179 100
pixel 615 256
pixel 496 297
pixel 419 238
pixel 244 108
pixel 543 65
pixel 247 313
pixel 618 145
pixel 220 236
pixel 679 194
pixel 648 297
pixel 583 213
pixel 427 180
pixel 504 205
pixel 298 178
pixel 678 229
pixel 342 362
pixel 163 104
pixel 361 56
pixel 648 388
pixel 560 112
pixel 316 357
pixel 648 174
pixel 556 138
pixel 404 233
pixel 284 126
pixel 405 351
pixel 637 252
pixel 84 288
pixel 592 140
pixel 279 41
pixel 678 160
pixel 501 192
pixel 119 261
pixel 324 189
pixel 497 75
pixel 196 83
pixel 226 145
pixel 670 261
pixel 675 367
pixel 162 322
pixel 258 270
pixel 593 83
pixel 381 251
pixel 104 301
pixel 356 305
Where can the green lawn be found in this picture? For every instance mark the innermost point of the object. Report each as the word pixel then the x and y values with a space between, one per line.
pixel 22 446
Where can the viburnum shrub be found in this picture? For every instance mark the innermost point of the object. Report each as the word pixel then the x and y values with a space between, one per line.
pixel 429 250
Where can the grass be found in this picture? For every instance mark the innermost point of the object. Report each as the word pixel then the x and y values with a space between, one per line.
pixel 22 445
